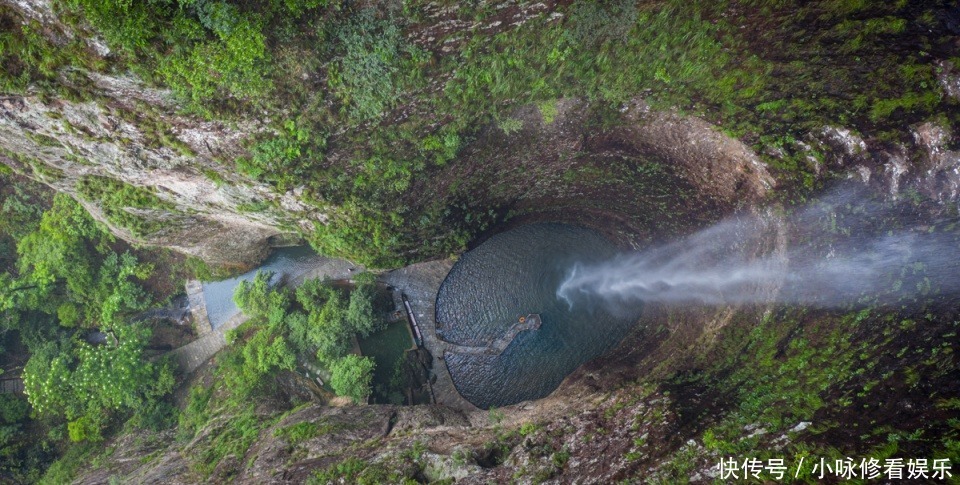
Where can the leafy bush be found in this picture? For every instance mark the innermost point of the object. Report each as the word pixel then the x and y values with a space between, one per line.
pixel 235 61
pixel 27 57
pixel 351 376
pixel 367 75
pixel 510 125
pixel 285 160
pixel 359 233
pixel 203 49
pixel 331 332
pixel 443 146
pixel 67 273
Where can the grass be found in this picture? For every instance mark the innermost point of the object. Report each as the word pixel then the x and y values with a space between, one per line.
pixel 234 438
pixel 360 472
pixel 76 458
pixel 228 428
pixel 119 201
pixel 300 432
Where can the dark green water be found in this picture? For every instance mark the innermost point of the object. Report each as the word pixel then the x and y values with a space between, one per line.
pixel 386 348
pixel 516 273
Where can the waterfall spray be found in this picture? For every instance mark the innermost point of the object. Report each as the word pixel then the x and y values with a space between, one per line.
pixel 832 252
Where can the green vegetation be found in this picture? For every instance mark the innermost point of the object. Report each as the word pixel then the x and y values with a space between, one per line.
pixel 286 159
pixel 381 123
pixel 286 327
pixel 314 322
pixel 827 369
pixel 362 109
pixel 373 59
pixel 360 314
pixel 28 57
pixel 352 376
pixel 201 49
pixel 83 383
pixel 355 470
pixel 676 54
pixel 303 431
pixel 394 365
pixel 120 201
pixel 61 277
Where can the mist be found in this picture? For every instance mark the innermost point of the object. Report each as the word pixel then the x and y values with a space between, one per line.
pixel 843 248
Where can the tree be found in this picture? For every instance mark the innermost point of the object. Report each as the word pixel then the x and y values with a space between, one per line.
pixel 314 293
pixel 82 383
pixel 351 376
pixel 267 352
pixel 13 413
pixel 258 299
pixel 324 328
pixel 330 330
pixel 360 315
pixel 66 268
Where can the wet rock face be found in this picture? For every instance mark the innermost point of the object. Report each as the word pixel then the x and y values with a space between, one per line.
pixel 716 164
pixel 949 77
pixel 61 142
pixel 925 164
pixel 939 170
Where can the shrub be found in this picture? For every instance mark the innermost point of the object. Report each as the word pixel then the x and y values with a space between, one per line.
pixel 510 125
pixel 286 159
pixel 366 75
pixel 351 376
pixel 360 314
pixel 117 200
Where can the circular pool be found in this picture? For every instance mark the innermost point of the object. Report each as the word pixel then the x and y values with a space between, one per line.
pixel 513 274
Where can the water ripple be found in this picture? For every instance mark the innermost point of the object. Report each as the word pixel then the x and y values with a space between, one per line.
pixel 513 274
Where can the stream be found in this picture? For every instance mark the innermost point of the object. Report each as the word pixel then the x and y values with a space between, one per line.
pixel 283 263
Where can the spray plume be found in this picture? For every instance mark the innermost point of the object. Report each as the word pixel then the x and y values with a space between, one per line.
pixel 832 252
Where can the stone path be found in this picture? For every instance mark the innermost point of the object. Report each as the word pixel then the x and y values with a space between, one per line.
pixel 198 307
pixel 531 322
pixel 194 354
pixel 421 283
pixel 11 386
